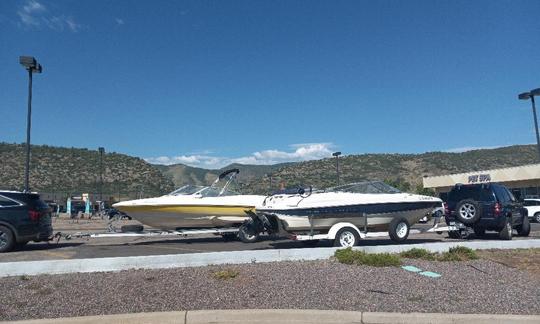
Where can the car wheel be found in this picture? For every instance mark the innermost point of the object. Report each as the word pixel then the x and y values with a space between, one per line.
pixel 7 240
pixel 247 235
pixel 399 229
pixel 525 228
pixel 468 211
pixel 479 232
pixel 506 231
pixel 347 237
pixel 537 217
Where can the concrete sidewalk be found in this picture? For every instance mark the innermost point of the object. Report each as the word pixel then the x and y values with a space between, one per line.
pixel 292 316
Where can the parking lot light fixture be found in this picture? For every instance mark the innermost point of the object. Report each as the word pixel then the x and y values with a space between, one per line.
pixel 32 66
pixel 530 95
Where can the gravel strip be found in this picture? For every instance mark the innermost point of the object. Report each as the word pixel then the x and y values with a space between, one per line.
pixel 465 287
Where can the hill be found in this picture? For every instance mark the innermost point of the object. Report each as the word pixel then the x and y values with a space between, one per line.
pixel 404 171
pixel 75 171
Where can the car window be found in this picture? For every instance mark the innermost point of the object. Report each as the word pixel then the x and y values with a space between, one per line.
pixel 510 195
pixel 529 203
pixel 472 192
pixel 502 194
pixel 6 202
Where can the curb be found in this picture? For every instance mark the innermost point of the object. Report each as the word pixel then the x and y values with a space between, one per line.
pixel 32 268
pixel 291 316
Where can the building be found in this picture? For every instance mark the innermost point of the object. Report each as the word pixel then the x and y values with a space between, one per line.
pixel 524 181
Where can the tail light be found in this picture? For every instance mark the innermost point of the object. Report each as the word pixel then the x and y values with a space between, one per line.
pixel 497 209
pixel 446 210
pixel 34 215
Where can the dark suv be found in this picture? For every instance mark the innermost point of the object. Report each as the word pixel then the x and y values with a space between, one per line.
pixel 482 207
pixel 23 218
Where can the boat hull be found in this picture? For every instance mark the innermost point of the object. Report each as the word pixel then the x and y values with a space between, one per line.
pixel 378 216
pixel 188 216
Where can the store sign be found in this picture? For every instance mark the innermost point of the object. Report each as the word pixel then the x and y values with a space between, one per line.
pixel 477 178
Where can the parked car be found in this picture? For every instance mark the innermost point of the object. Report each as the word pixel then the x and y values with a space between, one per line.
pixel 485 207
pixel 533 208
pixel 24 217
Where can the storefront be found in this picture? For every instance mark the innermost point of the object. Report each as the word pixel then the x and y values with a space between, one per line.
pixel 524 181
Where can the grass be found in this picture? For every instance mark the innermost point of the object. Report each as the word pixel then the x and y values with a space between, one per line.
pixel 416 253
pixel 225 274
pixel 457 253
pixel 350 256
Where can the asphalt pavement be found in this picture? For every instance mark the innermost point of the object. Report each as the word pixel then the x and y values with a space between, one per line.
pixel 116 247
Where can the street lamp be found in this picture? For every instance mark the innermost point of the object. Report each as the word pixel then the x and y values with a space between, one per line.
pixel 101 151
pixel 32 66
pixel 337 154
pixel 530 95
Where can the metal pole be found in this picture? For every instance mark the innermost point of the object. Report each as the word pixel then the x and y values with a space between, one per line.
pixel 28 126
pixel 536 125
pixel 337 168
pixel 100 174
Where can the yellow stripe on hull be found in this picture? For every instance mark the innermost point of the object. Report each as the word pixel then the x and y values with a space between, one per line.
pixel 191 209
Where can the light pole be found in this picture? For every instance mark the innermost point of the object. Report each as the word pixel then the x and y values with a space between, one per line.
pixel 32 66
pixel 530 95
pixel 101 151
pixel 337 154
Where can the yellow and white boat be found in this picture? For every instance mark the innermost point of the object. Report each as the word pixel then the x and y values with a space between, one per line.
pixel 191 207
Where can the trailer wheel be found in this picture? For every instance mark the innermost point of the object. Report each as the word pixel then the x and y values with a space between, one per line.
pixel 246 234
pixel 347 237
pixel 399 229
pixel 131 228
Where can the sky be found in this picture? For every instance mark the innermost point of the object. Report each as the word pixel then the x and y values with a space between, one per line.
pixel 208 83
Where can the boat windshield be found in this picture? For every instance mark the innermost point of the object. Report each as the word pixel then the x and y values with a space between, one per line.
pixel 368 187
pixel 186 190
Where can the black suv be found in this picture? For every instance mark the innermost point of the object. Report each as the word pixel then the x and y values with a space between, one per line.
pixel 23 218
pixel 489 206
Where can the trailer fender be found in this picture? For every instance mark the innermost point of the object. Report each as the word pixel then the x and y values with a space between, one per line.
pixel 336 227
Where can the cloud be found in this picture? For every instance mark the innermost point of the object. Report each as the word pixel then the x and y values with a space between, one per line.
pixel 119 21
pixel 34 14
pixel 300 152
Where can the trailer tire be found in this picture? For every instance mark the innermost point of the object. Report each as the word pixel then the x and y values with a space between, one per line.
pixel 399 229
pixel 132 228
pixel 247 235
pixel 347 237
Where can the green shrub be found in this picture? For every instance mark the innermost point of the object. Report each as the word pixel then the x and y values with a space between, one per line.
pixel 225 274
pixel 350 256
pixel 417 253
pixel 458 253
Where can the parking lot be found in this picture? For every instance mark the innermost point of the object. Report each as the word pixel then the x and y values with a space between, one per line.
pixel 131 246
